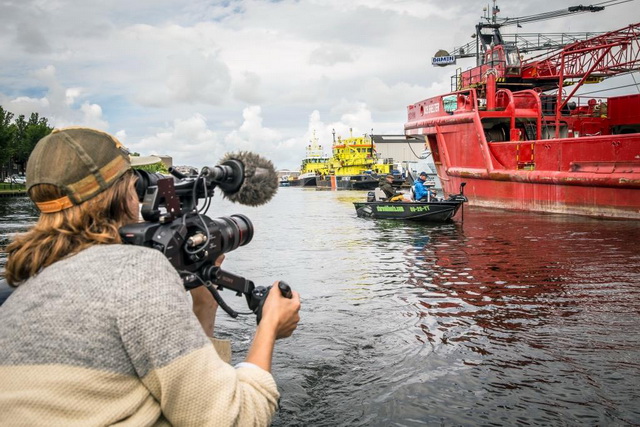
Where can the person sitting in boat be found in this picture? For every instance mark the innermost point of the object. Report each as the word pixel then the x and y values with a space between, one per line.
pixel 420 192
pixel 389 191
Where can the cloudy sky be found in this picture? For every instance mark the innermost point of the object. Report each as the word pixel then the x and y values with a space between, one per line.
pixel 195 79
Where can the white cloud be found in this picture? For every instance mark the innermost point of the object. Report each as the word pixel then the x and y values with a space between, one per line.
pixel 192 141
pixel 384 97
pixel 252 135
pixel 187 140
pixel 195 79
pixel 29 37
pixel 59 105
pixel 247 88
pixel 331 54
pixel 122 136
pixel 92 116
pixel 72 94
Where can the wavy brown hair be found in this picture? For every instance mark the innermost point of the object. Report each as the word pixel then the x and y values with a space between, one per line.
pixel 60 234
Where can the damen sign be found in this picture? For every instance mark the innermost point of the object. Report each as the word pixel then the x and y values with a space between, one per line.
pixel 442 58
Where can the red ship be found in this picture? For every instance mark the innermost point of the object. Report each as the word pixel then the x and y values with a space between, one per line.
pixel 516 132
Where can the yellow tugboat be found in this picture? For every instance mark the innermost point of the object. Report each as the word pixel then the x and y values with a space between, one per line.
pixel 312 165
pixel 354 165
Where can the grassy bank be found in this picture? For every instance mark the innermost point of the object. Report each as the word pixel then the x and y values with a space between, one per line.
pixel 12 189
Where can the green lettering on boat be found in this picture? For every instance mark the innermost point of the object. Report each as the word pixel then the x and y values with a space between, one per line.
pixel 390 208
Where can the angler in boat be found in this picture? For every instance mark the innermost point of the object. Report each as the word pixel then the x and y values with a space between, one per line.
pixel 386 186
pixel 421 191
pixel 378 207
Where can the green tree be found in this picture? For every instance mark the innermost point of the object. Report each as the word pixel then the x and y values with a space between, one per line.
pixel 27 135
pixel 6 136
pixel 37 128
pixel 20 127
pixel 19 137
pixel 154 168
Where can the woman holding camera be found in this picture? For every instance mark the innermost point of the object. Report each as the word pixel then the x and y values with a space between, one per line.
pixel 101 333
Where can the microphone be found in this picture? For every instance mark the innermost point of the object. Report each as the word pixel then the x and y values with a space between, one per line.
pixel 256 175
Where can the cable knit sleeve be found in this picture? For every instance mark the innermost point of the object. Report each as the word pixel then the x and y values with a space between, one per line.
pixel 176 361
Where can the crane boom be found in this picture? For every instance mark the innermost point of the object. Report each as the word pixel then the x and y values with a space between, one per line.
pixel 484 40
pixel 529 42
pixel 602 56
pixel 591 60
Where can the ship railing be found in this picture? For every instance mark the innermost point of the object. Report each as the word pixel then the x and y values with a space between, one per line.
pixel 476 77
pixel 464 101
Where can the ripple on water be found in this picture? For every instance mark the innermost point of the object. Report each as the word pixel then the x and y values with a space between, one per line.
pixel 506 319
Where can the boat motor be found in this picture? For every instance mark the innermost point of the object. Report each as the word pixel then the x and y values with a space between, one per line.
pixel 371 196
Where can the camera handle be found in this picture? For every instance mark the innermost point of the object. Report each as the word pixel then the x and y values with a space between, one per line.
pixel 216 295
pixel 260 294
pixel 255 295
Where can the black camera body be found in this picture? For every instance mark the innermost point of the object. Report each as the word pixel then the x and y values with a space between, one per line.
pixel 190 240
pixel 185 244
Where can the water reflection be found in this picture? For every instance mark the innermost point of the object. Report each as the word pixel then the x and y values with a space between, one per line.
pixel 509 278
pixel 16 215
pixel 516 302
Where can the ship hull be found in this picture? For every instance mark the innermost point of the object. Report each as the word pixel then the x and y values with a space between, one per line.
pixel 348 182
pixel 308 181
pixel 596 176
pixel 513 192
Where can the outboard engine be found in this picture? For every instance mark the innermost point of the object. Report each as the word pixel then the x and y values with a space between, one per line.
pixel 371 197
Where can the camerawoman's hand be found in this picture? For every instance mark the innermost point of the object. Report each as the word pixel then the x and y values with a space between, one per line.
pixel 281 313
pixel 279 319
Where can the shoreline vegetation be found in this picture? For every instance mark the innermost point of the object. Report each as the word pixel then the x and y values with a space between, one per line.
pixel 12 190
pixel 18 137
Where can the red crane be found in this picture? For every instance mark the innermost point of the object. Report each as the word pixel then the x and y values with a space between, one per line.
pixel 582 57
pixel 594 59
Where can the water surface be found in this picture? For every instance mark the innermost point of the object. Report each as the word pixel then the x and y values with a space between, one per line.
pixel 504 319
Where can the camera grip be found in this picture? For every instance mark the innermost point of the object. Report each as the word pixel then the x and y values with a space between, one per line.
pixel 285 289
pixel 260 293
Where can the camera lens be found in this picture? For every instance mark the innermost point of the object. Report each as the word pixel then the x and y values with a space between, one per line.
pixel 236 230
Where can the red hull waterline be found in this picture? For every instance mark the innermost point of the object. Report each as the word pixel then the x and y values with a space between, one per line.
pixel 511 156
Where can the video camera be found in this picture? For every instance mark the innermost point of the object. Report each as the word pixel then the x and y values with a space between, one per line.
pixel 191 241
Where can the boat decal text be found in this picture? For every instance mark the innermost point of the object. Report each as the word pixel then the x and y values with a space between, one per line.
pixel 390 208
pixel 419 208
